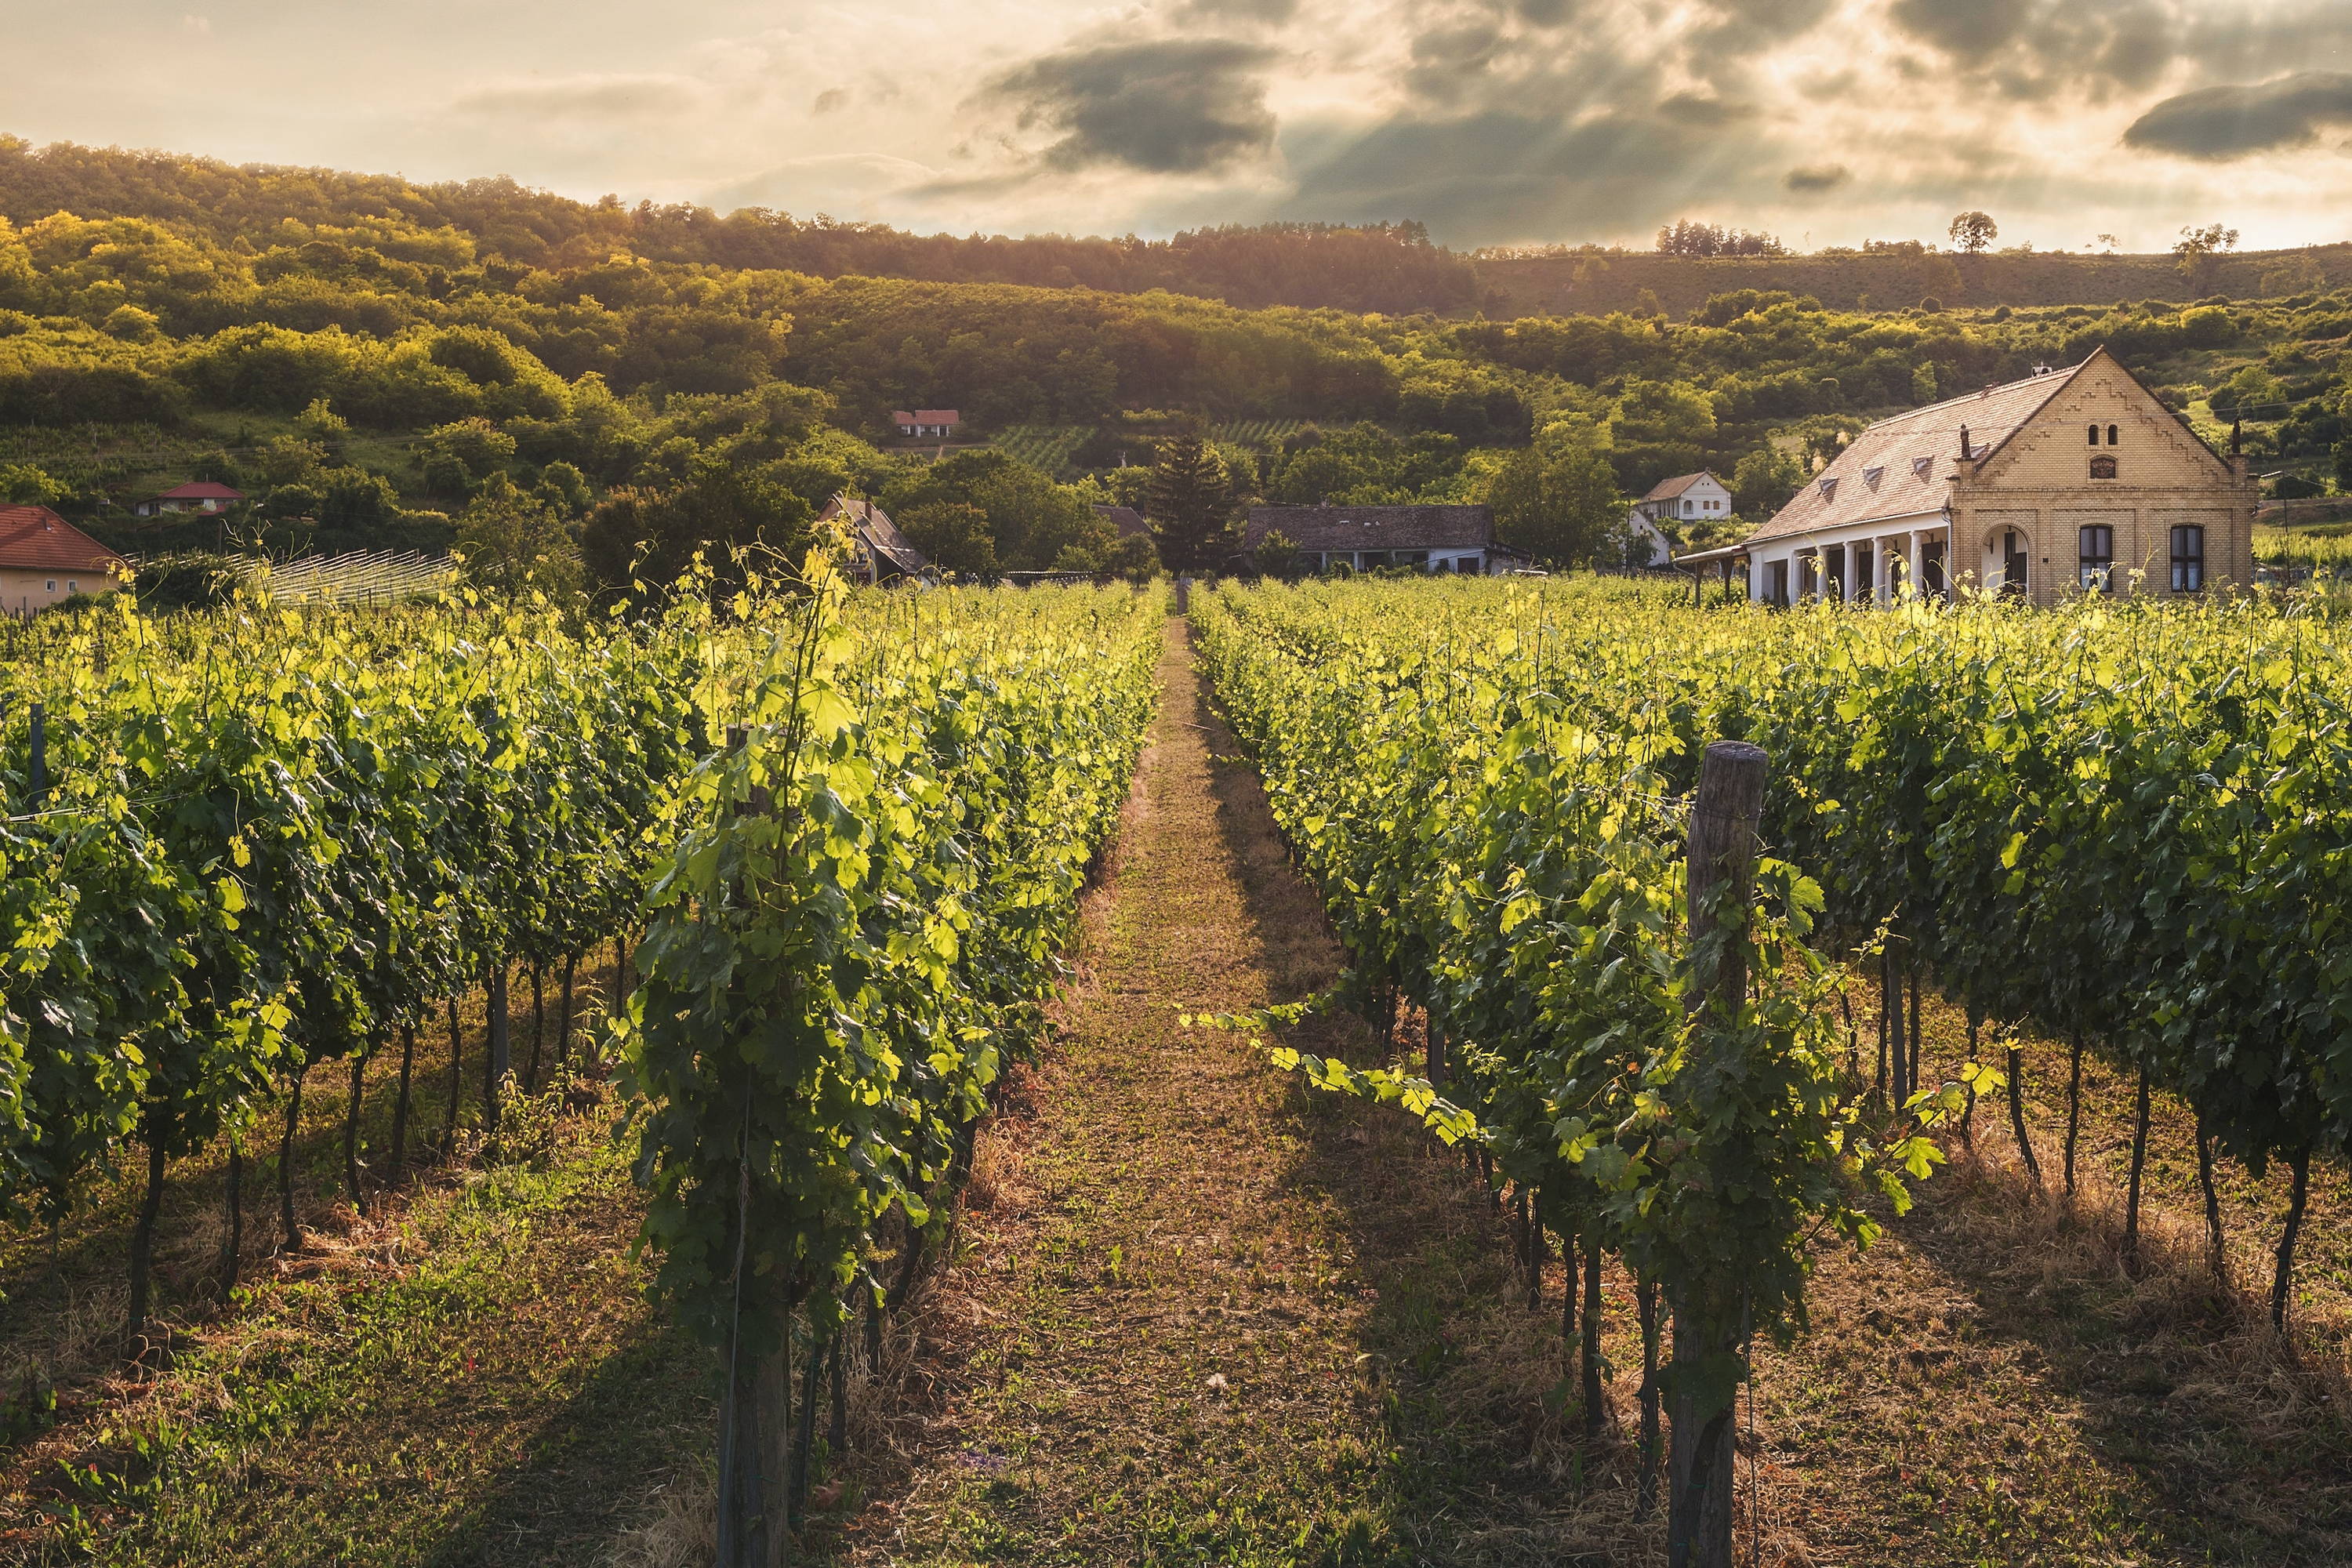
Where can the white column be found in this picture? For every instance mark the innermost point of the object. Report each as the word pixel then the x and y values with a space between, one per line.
pixel 1918 560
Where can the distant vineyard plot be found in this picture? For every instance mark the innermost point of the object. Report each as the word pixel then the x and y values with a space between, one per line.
pixel 360 577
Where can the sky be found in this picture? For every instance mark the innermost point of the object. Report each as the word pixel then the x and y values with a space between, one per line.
pixel 1494 121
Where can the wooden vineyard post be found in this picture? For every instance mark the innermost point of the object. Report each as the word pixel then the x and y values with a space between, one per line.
pixel 1708 1321
pixel 755 1406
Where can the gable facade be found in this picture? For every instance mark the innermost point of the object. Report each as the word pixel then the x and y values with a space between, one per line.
pixel 2068 482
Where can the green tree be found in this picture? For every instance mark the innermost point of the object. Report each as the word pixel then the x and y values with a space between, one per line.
pixel 23 484
pixel 1190 505
pixel 2198 253
pixel 1134 558
pixel 322 424
pixel 1973 232
pixel 1763 482
pixel 452 457
pixel 510 542
pixel 1031 519
pixel 1557 499
pixel 651 533
pixel 954 535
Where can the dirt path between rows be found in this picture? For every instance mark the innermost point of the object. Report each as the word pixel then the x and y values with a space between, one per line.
pixel 1196 1309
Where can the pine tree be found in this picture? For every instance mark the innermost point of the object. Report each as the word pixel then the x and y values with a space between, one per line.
pixel 1190 505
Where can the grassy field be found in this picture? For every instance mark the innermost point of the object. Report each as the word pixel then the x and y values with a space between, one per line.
pixel 1191 1314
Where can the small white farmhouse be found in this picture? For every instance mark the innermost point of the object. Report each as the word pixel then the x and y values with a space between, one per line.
pixel 1685 498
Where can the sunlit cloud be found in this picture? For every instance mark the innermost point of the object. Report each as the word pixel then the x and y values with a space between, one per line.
pixel 1496 122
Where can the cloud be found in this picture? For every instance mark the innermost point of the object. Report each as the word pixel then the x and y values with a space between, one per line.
pixel 1165 106
pixel 1268 11
pixel 830 100
pixel 588 96
pixel 2217 123
pixel 1970 29
pixel 850 183
pixel 1815 177
pixel 1507 173
pixel 2037 49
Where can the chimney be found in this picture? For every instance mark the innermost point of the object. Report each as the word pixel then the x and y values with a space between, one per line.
pixel 1966 450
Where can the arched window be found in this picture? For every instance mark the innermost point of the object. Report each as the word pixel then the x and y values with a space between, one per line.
pixel 2095 434
pixel 2110 435
pixel 2103 468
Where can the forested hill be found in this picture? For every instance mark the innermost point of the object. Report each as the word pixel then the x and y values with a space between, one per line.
pixel 1387 268
pixel 376 365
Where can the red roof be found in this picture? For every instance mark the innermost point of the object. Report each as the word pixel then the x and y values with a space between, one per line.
pixel 35 539
pixel 928 416
pixel 201 489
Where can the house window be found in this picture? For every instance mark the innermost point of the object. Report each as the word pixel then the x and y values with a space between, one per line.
pixel 2103 468
pixel 50 586
pixel 2188 559
pixel 2110 435
pixel 2095 434
pixel 2095 556
pixel 1775 584
pixel 72 587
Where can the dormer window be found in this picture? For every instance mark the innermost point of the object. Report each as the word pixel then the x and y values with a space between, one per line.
pixel 2103 468
pixel 1920 467
pixel 1872 476
pixel 1829 490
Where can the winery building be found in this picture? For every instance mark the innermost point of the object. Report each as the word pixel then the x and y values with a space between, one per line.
pixel 1329 537
pixel 2068 482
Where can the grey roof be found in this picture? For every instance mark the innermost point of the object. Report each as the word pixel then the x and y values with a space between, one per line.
pixel 1904 464
pixel 875 531
pixel 1126 518
pixel 1329 527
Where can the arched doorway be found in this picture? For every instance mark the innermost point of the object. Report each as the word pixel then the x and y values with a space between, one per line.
pixel 2008 555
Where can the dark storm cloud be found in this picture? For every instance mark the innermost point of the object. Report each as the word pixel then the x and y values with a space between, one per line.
pixel 1814 178
pixel 2221 123
pixel 1165 107
pixel 1970 29
pixel 1507 173
pixel 2034 49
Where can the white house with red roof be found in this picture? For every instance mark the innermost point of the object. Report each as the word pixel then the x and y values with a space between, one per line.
pixel 196 495
pixel 2077 480
pixel 926 423
pixel 45 561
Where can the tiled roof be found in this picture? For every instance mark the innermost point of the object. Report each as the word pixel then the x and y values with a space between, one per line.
pixel 35 539
pixel 927 416
pixel 875 529
pixel 201 489
pixel 1903 465
pixel 1325 528
pixel 1126 518
pixel 1667 489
